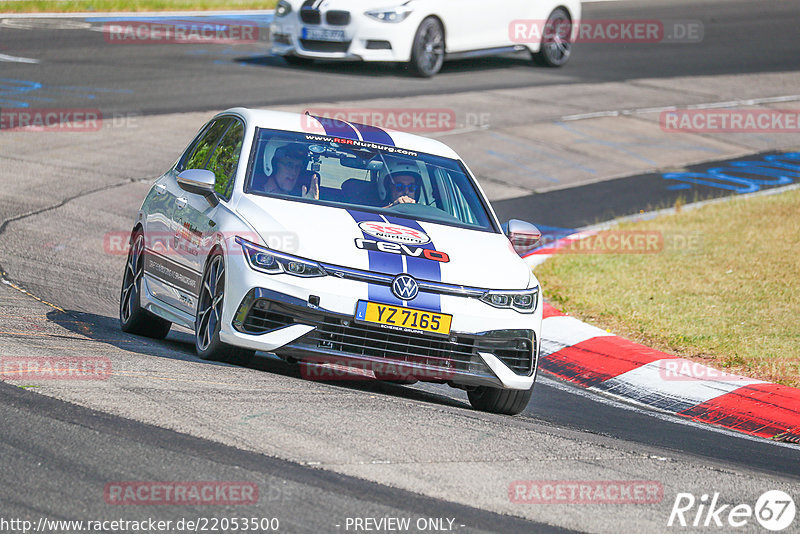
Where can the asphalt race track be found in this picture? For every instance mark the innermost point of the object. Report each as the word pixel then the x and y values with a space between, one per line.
pixel 324 453
pixel 162 78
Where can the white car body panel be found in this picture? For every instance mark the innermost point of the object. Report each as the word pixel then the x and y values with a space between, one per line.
pixel 477 259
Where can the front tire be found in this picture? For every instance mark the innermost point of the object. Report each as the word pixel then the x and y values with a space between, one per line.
pixel 427 52
pixel 208 318
pixel 556 46
pixel 502 401
pixel 134 319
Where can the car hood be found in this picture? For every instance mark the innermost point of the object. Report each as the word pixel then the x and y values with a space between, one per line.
pixel 346 238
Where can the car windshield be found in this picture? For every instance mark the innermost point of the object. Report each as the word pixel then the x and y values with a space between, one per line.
pixel 365 175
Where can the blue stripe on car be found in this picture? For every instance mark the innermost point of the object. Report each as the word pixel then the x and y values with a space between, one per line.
pixel 422 268
pixel 337 128
pixel 388 263
pixel 374 135
pixel 382 262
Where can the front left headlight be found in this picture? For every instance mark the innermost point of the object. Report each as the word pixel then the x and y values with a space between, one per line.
pixel 390 14
pixel 269 261
pixel 523 301
pixel 283 8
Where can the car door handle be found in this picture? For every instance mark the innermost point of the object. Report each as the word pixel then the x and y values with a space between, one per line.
pixel 181 203
pixel 161 189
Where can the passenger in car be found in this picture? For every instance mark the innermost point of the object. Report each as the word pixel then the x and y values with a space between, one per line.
pixel 289 175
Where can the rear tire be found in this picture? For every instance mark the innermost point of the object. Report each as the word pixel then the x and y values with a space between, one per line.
pixel 208 319
pixel 427 51
pixel 502 401
pixel 556 46
pixel 134 319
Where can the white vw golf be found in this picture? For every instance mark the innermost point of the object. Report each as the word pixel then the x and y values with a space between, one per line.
pixel 420 33
pixel 327 242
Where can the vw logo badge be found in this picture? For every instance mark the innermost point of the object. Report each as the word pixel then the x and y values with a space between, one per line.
pixel 405 287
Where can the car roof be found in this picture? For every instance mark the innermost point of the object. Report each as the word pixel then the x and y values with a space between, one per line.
pixel 296 122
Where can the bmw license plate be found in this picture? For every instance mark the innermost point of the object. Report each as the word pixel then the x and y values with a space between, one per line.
pixel 320 34
pixel 403 319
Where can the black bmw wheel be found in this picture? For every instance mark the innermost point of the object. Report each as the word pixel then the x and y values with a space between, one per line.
pixel 556 45
pixel 132 317
pixel 427 52
pixel 503 401
pixel 208 320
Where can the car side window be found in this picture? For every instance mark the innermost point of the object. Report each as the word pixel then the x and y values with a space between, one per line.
pixel 205 145
pixel 225 159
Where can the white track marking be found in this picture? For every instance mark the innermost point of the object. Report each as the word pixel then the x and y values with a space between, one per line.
pixel 564 331
pixel 709 105
pixel 653 383
pixel 16 59
pixel 633 406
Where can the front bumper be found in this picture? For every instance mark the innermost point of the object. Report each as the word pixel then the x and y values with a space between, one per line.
pixel 289 326
pixel 365 39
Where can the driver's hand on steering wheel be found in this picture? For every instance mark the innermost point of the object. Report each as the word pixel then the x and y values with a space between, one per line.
pixel 405 199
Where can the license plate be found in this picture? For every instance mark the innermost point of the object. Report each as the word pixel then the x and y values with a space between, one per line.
pixel 403 319
pixel 319 34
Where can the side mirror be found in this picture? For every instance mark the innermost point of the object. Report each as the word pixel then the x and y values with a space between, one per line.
pixel 523 236
pixel 199 181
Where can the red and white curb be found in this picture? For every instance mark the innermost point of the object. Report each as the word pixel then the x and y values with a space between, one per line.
pixel 597 360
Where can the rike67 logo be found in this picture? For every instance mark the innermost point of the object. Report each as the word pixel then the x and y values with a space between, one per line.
pixel 774 510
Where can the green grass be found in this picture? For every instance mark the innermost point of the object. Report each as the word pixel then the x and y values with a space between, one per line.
pixel 731 302
pixel 68 6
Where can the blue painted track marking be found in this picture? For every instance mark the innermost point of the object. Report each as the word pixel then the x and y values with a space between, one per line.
pixel 742 176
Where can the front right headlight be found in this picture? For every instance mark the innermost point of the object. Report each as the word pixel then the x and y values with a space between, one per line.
pixel 390 14
pixel 283 8
pixel 523 301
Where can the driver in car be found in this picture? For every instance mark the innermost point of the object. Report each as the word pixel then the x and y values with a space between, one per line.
pixel 288 163
pixel 403 183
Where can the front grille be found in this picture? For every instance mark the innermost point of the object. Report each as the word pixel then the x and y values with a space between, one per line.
pixel 310 16
pixel 259 321
pixel 337 334
pixel 324 46
pixel 376 342
pixel 337 18
pixel 515 349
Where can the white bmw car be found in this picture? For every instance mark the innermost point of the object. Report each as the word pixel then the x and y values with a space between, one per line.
pixel 420 33
pixel 327 242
